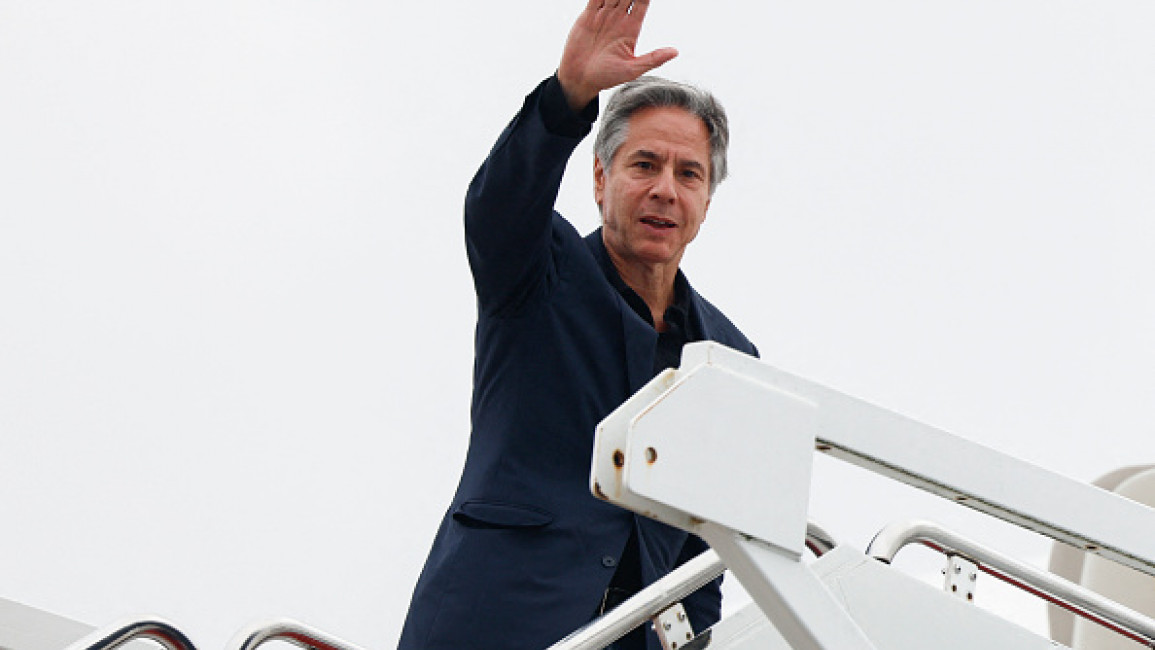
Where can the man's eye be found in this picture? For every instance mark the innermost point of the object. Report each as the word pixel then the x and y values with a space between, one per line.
pixel 644 164
pixel 691 173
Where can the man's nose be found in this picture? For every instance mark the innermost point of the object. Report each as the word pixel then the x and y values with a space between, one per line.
pixel 665 186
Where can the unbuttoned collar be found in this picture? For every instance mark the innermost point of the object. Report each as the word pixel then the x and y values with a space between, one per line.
pixel 677 315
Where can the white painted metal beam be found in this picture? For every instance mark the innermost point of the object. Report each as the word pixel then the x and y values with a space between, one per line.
pixel 955 468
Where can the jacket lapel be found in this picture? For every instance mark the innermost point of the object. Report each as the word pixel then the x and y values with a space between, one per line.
pixel 639 336
pixel 641 339
pixel 698 313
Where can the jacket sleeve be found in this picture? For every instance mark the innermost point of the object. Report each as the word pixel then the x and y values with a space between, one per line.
pixel 509 204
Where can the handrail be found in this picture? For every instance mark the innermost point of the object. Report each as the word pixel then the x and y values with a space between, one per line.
pixel 654 599
pixel 818 540
pixel 117 634
pixel 638 609
pixel 615 624
pixel 288 630
pixel 1048 586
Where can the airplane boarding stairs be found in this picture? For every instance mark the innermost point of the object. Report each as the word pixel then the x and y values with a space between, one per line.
pixel 723 447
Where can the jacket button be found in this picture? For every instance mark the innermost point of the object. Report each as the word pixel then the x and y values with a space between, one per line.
pixel 609 562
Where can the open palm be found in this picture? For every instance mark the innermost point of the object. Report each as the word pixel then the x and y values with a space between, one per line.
pixel 599 52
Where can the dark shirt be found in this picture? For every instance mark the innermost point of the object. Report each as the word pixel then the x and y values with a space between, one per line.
pixel 679 325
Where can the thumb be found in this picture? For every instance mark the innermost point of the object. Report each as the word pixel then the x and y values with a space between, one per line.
pixel 658 57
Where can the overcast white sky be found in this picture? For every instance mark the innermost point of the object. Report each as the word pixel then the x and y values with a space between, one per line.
pixel 236 318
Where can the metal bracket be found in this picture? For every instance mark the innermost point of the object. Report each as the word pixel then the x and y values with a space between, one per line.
pixel 673 627
pixel 960 577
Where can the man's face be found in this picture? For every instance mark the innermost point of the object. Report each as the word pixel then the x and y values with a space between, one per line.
pixel 655 195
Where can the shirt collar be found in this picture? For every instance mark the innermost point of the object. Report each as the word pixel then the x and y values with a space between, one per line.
pixel 677 314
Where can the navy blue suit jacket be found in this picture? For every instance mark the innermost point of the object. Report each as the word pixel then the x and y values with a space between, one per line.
pixel 524 553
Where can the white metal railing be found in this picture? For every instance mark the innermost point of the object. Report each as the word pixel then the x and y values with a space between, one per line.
pixel 610 627
pixel 672 588
pixel 1043 584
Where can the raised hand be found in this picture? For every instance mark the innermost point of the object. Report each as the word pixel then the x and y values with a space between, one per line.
pixel 599 52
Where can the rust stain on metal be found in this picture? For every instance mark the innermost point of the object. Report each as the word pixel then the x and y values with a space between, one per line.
pixel 619 459
pixel 598 492
pixel 651 455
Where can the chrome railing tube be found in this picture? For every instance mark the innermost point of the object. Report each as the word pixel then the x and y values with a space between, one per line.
pixel 674 587
pixel 287 630
pixel 818 540
pixel 1068 595
pixel 117 634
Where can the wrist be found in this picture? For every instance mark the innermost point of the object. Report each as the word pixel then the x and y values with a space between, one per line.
pixel 577 96
pixel 559 118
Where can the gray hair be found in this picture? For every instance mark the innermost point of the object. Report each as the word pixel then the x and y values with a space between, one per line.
pixel 653 92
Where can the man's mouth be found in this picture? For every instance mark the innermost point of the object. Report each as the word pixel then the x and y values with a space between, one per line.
pixel 658 222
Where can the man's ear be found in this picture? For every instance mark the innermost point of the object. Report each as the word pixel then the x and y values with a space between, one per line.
pixel 599 181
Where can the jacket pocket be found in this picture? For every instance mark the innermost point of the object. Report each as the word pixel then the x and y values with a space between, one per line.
pixel 494 514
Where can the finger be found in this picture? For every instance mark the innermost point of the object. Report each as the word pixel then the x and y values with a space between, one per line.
pixel 594 6
pixel 658 57
pixel 638 9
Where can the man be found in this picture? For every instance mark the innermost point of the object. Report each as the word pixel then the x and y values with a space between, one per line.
pixel 567 329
